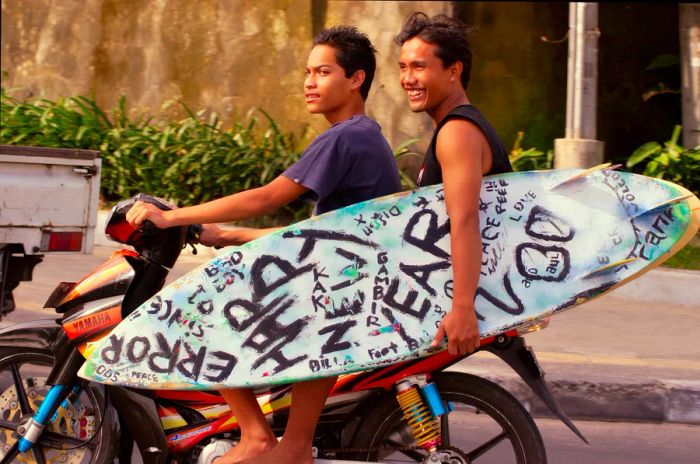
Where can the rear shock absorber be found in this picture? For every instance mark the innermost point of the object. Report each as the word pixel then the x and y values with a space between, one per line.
pixel 424 424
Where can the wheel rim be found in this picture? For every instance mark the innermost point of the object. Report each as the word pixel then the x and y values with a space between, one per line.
pixel 479 433
pixel 22 389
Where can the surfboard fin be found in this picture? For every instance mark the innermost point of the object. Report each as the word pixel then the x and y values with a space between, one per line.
pixel 582 174
pixel 663 204
pixel 608 267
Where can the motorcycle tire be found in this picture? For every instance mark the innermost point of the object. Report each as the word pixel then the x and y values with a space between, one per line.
pixel 487 425
pixel 66 439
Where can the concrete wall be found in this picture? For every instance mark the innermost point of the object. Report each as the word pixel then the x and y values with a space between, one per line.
pixel 226 56
pixel 222 55
pixel 231 55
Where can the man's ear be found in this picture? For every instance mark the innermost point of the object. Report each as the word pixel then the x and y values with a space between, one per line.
pixel 455 70
pixel 357 79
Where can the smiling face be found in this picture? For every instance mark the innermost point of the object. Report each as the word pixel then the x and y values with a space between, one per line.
pixel 326 89
pixel 429 85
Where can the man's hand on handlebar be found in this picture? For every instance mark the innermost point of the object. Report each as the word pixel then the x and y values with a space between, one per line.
pixel 145 211
pixel 212 236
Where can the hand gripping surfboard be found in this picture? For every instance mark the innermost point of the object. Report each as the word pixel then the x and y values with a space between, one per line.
pixel 368 284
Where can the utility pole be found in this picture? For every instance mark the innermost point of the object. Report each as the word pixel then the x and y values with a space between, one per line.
pixel 579 148
pixel 689 21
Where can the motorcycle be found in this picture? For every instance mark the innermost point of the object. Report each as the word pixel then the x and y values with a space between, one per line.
pixel 413 411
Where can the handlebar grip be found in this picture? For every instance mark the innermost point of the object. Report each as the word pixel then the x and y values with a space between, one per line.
pixel 193 233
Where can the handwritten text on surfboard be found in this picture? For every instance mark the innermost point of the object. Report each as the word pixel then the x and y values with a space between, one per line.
pixel 382 275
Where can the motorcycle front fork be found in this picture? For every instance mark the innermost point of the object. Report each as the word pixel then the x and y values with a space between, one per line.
pixel 64 390
pixel 47 412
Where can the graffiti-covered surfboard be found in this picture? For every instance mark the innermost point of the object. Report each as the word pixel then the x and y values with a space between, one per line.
pixel 367 285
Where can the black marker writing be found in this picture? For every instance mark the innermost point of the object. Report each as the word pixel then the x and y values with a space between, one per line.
pixel 337 332
pixel 432 235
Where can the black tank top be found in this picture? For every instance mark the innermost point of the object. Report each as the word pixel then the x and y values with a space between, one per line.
pixel 431 172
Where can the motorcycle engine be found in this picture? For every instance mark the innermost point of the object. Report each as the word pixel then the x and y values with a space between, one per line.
pixel 217 448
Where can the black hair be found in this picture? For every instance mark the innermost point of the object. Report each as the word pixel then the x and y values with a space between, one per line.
pixel 448 34
pixel 353 51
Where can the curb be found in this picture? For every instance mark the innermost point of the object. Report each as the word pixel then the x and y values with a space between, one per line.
pixel 602 397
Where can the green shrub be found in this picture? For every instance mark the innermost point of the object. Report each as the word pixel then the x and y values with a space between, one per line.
pixel 403 149
pixel 531 159
pixel 669 161
pixel 187 161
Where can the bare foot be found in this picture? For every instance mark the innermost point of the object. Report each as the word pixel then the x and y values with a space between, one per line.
pixel 290 453
pixel 247 449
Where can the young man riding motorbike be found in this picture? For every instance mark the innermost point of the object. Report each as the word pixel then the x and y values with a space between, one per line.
pixel 349 163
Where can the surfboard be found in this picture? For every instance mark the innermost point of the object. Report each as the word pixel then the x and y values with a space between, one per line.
pixel 367 285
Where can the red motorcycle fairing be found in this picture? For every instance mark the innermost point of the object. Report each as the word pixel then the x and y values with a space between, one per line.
pixel 111 278
pixel 177 405
pixel 176 413
pixel 92 318
pixel 93 305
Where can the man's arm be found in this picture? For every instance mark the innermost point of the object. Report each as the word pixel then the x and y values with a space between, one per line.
pixel 242 205
pixel 459 149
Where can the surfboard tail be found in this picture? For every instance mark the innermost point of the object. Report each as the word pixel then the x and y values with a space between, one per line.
pixel 692 230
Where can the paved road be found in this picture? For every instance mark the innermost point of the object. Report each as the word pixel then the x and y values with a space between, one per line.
pixel 612 443
pixel 621 443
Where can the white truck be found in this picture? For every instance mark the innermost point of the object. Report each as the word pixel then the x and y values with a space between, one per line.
pixel 48 204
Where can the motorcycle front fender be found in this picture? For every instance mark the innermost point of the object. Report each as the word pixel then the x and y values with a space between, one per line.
pixel 138 413
pixel 40 334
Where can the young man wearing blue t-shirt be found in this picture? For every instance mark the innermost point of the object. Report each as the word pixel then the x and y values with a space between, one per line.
pixel 348 163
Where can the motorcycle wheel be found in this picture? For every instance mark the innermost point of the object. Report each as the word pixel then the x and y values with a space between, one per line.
pixel 67 439
pixel 488 425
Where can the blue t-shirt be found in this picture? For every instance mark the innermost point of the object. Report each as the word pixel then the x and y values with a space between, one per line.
pixel 349 163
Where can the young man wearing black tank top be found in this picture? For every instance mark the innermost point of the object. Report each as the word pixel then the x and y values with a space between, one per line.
pixel 435 65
